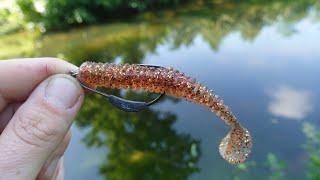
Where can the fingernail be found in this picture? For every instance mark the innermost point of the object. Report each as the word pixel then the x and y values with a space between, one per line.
pixel 62 92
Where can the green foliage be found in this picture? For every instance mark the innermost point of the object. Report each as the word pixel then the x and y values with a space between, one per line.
pixel 276 166
pixel 132 41
pixel 20 44
pixel 141 145
pixel 312 147
pixel 246 166
pixel 145 145
pixel 29 10
pixel 63 14
pixel 10 22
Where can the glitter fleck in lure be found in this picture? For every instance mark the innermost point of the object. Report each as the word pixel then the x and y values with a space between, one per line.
pixel 234 147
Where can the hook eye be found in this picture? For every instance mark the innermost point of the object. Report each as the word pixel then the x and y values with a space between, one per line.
pixel 73 74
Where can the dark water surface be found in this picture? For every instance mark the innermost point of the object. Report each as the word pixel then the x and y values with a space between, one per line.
pixel 263 59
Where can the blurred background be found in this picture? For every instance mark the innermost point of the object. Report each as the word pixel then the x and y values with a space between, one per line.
pixel 262 57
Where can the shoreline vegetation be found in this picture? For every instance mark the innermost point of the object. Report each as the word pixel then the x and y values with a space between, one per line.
pixel 53 15
pixel 142 33
pixel 140 149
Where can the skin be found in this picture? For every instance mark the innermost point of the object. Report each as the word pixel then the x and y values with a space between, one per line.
pixel 38 103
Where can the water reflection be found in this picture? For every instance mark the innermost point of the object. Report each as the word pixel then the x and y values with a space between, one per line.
pixel 147 145
pixel 290 103
pixel 312 147
pixel 140 145
pixel 132 41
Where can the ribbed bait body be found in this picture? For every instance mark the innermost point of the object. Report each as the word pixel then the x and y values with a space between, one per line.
pixel 234 147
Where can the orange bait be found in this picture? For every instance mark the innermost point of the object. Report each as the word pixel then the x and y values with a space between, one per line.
pixel 234 147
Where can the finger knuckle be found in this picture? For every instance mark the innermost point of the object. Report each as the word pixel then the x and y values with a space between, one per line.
pixel 33 128
pixel 48 67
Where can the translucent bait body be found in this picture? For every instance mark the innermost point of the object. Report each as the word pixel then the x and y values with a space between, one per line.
pixel 234 147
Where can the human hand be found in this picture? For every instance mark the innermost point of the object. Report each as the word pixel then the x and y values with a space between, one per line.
pixel 36 111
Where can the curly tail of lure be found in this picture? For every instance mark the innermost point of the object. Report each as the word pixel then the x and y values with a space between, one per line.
pixel 234 147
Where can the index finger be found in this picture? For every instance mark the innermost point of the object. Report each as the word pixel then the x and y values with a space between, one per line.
pixel 18 77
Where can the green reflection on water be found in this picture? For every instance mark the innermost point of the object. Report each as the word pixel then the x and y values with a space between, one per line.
pixel 133 40
pixel 141 145
pixel 145 145
pixel 312 146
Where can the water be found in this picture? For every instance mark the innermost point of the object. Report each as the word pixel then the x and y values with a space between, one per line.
pixel 261 58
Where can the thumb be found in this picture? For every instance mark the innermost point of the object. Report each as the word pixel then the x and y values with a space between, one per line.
pixel 38 127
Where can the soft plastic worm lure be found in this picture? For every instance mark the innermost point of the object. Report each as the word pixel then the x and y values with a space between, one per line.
pixel 234 147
